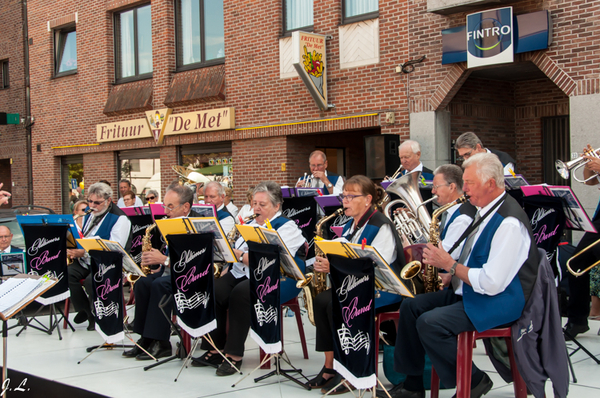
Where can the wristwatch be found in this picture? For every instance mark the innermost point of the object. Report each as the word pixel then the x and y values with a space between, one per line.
pixel 453 268
pixel 167 261
pixel 330 185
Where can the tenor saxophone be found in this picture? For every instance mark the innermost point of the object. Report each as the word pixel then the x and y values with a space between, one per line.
pixel 428 279
pixel 318 280
pixel 146 247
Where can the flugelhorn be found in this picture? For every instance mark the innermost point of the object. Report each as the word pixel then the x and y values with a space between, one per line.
pixel 579 272
pixel 564 168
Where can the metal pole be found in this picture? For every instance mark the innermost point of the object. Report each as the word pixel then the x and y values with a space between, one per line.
pixel 4 355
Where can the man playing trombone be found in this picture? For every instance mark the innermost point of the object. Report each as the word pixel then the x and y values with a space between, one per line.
pixel 579 287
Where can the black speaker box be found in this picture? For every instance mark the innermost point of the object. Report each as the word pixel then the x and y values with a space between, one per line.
pixel 381 155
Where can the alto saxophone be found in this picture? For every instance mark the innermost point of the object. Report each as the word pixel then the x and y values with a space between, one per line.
pixel 146 247
pixel 232 236
pixel 429 280
pixel 318 280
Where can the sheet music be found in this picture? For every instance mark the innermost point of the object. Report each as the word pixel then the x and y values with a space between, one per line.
pixel 16 292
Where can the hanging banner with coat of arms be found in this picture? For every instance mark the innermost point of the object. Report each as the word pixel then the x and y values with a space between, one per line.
pixel 308 57
pixel 157 119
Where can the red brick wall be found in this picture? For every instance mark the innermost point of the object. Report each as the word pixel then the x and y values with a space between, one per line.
pixel 12 100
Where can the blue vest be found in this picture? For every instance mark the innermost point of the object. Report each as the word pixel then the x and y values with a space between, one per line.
pixel 465 208
pixel 369 233
pixel 288 286
pixel 486 311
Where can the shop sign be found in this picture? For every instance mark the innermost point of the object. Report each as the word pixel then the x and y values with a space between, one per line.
pixel 157 119
pixel 490 37
pixel 121 131
pixel 195 122
pixel 309 58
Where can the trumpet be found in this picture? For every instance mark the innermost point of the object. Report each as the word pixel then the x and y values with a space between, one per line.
pixel 308 180
pixel 395 175
pixel 564 168
pixel 579 272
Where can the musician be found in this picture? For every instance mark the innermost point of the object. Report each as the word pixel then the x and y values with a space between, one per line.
pixel 247 210
pixel 79 210
pixel 579 287
pixel 125 186
pixel 469 144
pixel 493 279
pixel 6 240
pixel 321 178
pixel 149 321
pixel 106 221
pixel 129 199
pixel 214 194
pixel 232 290
pixel 410 157
pixel 358 199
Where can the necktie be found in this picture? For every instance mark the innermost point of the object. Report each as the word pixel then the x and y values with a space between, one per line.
pixel 466 250
pixel 443 221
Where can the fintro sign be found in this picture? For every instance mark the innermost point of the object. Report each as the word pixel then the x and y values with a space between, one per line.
pixel 490 37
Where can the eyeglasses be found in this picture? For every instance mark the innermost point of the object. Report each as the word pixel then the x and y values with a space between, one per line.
pixel 150 197
pixel 96 202
pixel 5 237
pixel 168 208
pixel 349 197
pixel 466 155
pixel 316 166
pixel 436 187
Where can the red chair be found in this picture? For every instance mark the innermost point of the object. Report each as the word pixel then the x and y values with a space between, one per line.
pixel 464 361
pixel 295 307
pixel 384 316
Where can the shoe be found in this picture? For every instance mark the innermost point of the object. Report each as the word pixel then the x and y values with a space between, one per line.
pixel 225 368
pixel 319 381
pixel 338 388
pixel 158 349
pixel 136 350
pixel 398 391
pixel 81 317
pixel 484 386
pixel 208 359
pixel 571 330
pixel 92 325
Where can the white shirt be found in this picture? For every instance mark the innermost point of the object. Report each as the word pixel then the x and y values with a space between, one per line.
pixel 228 223
pixel 508 251
pixel 337 188
pixel 455 230
pixel 7 250
pixel 138 202
pixel 246 211
pixel 289 233
pixel 418 168
pixel 384 241
pixel 233 209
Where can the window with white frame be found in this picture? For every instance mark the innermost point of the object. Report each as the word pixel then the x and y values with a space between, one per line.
pixel 297 15
pixel 133 43
pixel 359 10
pixel 200 33
pixel 65 51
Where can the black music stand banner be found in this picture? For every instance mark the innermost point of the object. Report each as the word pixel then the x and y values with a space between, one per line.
pixel 107 294
pixel 265 327
pixel 303 211
pixel 47 255
pixel 139 224
pixel 191 256
pixel 353 311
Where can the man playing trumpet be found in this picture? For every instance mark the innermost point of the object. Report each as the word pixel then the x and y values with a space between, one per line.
pixel 321 178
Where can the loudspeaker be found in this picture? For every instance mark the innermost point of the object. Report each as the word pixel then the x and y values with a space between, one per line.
pixel 381 155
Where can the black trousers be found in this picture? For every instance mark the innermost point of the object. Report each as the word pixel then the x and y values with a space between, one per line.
pixel 79 298
pixel 430 323
pixel 578 308
pixel 322 310
pixel 149 319
pixel 233 306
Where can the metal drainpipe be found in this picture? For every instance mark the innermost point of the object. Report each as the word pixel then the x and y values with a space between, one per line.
pixel 28 121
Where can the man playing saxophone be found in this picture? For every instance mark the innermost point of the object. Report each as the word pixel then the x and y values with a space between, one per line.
pixel 492 280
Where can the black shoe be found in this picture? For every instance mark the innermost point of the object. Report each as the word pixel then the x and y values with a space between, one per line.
pixel 158 349
pixel 92 325
pixel 484 386
pixel 225 368
pixel 208 359
pixel 81 317
pixel 571 330
pixel 319 381
pixel 398 391
pixel 135 351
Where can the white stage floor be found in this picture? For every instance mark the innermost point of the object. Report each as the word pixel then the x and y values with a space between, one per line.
pixel 108 373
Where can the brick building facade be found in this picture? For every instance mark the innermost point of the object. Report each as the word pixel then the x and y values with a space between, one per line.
pixel 277 124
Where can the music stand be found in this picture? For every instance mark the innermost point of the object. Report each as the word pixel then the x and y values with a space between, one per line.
pixel 266 314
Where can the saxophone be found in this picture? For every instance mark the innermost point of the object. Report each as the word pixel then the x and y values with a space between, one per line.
pixel 318 280
pixel 146 247
pixel 232 236
pixel 428 280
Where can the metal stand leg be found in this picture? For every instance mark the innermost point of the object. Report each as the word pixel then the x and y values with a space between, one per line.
pixel 282 356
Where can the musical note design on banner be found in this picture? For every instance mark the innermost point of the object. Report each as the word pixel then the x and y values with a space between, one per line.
pixel 356 343
pixel 265 316
pixel 102 311
pixel 194 301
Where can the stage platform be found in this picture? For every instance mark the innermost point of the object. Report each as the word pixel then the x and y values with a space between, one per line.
pixel 107 373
